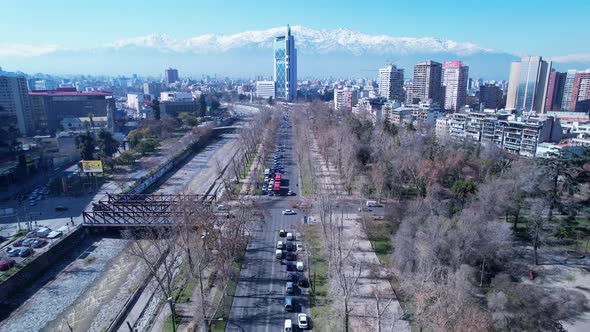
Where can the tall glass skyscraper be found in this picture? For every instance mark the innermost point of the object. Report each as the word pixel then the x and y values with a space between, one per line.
pixel 285 66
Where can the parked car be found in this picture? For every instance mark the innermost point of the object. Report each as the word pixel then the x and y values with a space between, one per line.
pixel 290 236
pixel 28 242
pixel 302 282
pixel 282 233
pixel 290 266
pixel 54 234
pixel 19 242
pixel 32 234
pixel 288 326
pixel 302 321
pixel 290 246
pixel 289 287
pixel 25 252
pixel 290 193
pixel 43 231
pixel 39 243
pixel 291 277
pixel 288 212
pixel 280 245
pixel 13 252
pixel 300 266
pixel 7 264
pixel 290 256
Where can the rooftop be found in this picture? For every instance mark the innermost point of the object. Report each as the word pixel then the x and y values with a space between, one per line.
pixel 68 92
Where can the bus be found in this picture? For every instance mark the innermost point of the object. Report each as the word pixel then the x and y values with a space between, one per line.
pixel 277 184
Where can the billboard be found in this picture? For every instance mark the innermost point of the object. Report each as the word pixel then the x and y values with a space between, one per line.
pixel 452 64
pixel 91 166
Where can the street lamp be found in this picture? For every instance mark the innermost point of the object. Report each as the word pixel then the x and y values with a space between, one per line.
pixel 171 302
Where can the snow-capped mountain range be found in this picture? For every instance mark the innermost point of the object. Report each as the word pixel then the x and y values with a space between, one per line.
pixel 321 53
pixel 308 41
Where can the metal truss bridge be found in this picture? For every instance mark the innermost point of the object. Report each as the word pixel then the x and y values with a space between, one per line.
pixel 126 210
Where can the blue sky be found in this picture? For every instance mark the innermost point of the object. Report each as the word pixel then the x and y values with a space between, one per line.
pixel 544 27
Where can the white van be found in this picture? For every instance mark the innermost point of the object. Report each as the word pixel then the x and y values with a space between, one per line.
pixel 279 254
pixel 288 325
pixel 290 237
pixel 372 204
pixel 43 231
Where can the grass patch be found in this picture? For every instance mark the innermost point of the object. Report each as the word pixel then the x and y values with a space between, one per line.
pixel 318 278
pixel 168 324
pixel 184 295
pixel 307 188
pixel 380 234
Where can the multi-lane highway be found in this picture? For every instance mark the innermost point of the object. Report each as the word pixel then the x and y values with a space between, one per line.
pixel 259 300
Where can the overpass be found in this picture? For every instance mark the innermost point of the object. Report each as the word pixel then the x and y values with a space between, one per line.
pixel 226 129
pixel 126 210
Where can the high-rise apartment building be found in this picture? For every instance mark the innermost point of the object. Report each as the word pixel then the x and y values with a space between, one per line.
pixel 555 91
pixel 567 89
pixel 580 99
pixel 171 76
pixel 285 67
pixel 455 75
pixel 528 85
pixel 345 99
pixel 15 105
pixel 490 96
pixel 427 82
pixel 391 83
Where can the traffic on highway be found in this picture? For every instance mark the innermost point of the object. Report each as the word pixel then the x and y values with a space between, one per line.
pixel 272 291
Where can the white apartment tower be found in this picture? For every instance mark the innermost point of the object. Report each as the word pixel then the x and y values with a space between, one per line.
pixel 455 75
pixel 391 83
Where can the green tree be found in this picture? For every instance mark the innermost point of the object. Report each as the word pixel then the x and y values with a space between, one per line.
pixel 86 144
pixel 462 189
pixel 202 105
pixel 107 144
pixel 147 145
pixel 156 108
pixel 188 119
pixel 215 105
pixel 125 158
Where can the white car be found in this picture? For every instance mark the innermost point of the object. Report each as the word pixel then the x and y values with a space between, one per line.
pixel 302 321
pixel 299 266
pixel 288 212
pixel 280 245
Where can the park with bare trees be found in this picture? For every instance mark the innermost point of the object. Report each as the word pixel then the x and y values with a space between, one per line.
pixel 470 238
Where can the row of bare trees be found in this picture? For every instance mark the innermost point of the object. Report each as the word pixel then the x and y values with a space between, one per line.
pixel 450 202
pixel 206 243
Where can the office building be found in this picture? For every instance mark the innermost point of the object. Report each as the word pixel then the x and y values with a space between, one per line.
pixel 391 83
pixel 50 107
pixel 567 89
pixel 45 85
pixel 455 74
pixel 171 76
pixel 135 101
pixel 490 96
pixel 285 67
pixel 152 89
pixel 15 105
pixel 172 108
pixel 175 96
pixel 265 89
pixel 555 91
pixel 345 99
pixel 427 82
pixel 528 85
pixel 580 99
